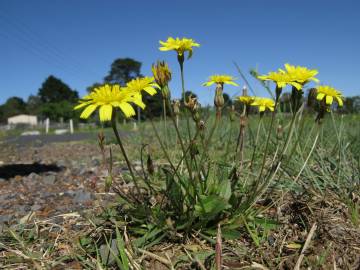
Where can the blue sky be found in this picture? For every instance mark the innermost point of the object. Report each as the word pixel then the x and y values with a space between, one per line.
pixel 77 40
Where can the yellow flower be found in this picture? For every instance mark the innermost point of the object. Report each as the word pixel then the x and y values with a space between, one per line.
pixel 300 74
pixel 281 79
pixel 247 100
pixel 108 97
pixel 178 45
pixel 146 84
pixel 264 103
pixel 221 79
pixel 328 93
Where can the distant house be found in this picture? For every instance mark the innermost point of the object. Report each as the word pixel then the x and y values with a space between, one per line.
pixel 23 119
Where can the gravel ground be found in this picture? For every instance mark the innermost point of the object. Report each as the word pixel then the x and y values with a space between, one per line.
pixel 49 138
pixel 49 178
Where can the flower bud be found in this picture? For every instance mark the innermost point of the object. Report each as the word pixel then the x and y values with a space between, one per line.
pixel 192 104
pixel 108 182
pixel 162 74
pixel 219 98
pixel 150 165
pixel 176 106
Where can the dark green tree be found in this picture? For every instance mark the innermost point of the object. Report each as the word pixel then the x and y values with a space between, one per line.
pixel 33 104
pixel 227 100
pixel 92 87
pixel 13 106
pixel 53 90
pixel 351 105
pixel 123 70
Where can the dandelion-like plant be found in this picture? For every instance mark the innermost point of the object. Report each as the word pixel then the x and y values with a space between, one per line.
pixel 329 94
pixel 108 97
pixel 246 100
pixel 220 79
pixel 179 45
pixel 146 84
pixel 264 104
pixel 299 74
pixel 281 79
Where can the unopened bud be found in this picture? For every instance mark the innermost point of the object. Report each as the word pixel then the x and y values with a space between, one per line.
pixel 245 91
pixel 176 106
pixel 162 73
pixel 108 182
pixel 150 165
pixel 219 98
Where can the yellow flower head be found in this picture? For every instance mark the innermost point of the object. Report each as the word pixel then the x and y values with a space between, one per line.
pixel 300 74
pixel 146 84
pixel 247 100
pixel 162 73
pixel 178 45
pixel 281 79
pixel 264 103
pixel 221 79
pixel 108 97
pixel 328 93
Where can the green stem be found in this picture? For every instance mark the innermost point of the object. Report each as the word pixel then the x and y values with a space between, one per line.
pixel 165 127
pixel 267 141
pixel 113 124
pixel 181 63
pixel 256 143
pixel 180 138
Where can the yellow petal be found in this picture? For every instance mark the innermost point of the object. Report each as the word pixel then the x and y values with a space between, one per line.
pixel 82 104
pixel 127 109
pixel 151 91
pixel 105 112
pixel 139 103
pixel 298 86
pixel 164 49
pixel 340 101
pixel 232 83
pixel 208 83
pixel 88 111
pixel 329 100
pixel 261 108
pixel 320 96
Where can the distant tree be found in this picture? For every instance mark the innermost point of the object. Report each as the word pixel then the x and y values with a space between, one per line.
pixel 123 70
pixel 59 110
pixel 2 118
pixel 92 87
pixel 33 104
pixel 12 106
pixel 53 90
pixel 153 105
pixel 227 100
pixel 351 105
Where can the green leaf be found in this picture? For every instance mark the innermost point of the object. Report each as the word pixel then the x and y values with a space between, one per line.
pixel 227 234
pixel 225 189
pixel 121 247
pixel 209 206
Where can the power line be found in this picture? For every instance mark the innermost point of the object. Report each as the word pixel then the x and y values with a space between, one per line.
pixel 32 39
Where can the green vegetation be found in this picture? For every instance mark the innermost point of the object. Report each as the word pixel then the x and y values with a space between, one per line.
pixel 275 189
